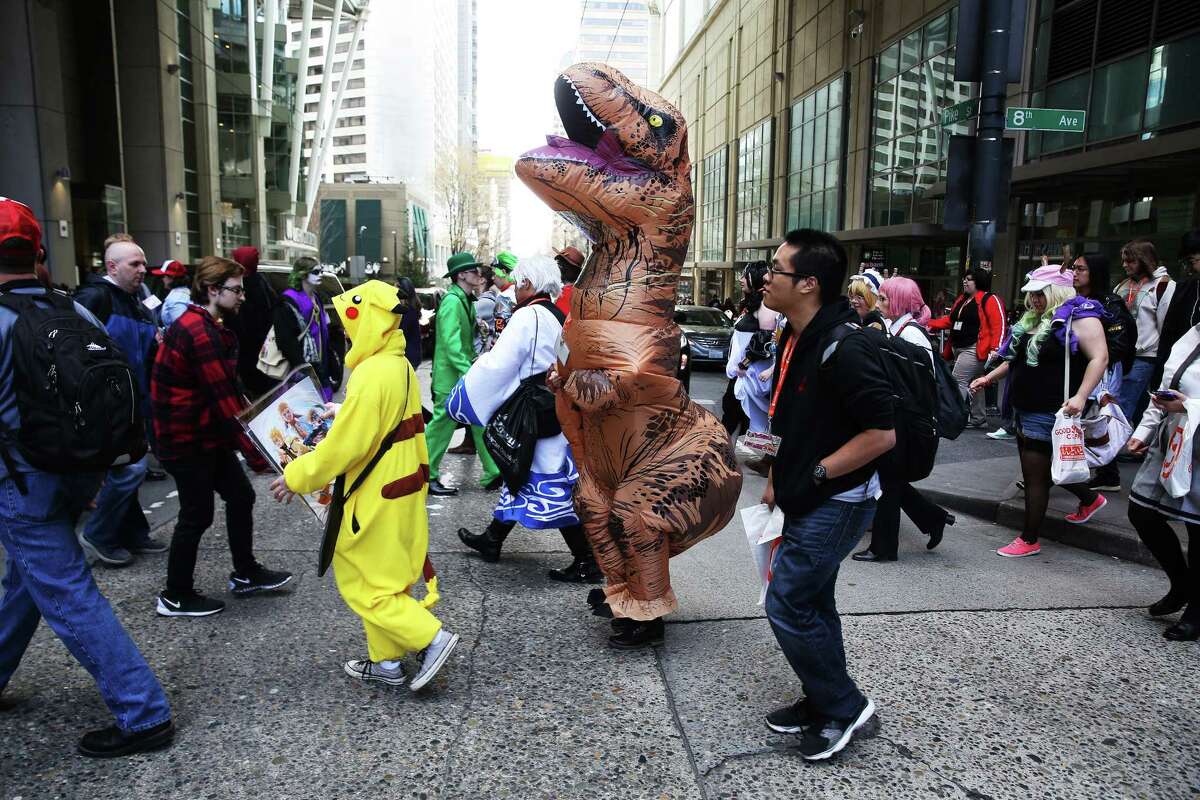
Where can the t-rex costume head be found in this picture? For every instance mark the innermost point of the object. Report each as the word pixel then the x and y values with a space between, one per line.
pixel 656 471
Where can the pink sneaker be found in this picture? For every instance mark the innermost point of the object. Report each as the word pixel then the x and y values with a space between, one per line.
pixel 1086 512
pixel 1019 549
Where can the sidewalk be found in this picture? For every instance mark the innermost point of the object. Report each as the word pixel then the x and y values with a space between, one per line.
pixel 986 488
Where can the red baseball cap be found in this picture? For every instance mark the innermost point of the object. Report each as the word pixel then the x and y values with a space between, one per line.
pixel 170 267
pixel 17 221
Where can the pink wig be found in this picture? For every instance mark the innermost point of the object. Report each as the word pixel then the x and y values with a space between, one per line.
pixel 904 297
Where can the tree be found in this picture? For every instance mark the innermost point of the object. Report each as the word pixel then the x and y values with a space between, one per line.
pixel 409 266
pixel 457 185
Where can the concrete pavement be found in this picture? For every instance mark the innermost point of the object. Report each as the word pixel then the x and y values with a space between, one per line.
pixel 994 678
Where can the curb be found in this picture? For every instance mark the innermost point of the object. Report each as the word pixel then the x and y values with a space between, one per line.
pixel 1102 538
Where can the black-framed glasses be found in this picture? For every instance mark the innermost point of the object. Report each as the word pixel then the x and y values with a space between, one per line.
pixel 237 290
pixel 775 271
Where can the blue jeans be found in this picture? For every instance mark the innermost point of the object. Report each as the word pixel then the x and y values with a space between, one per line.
pixel 46 577
pixel 1133 399
pixel 118 520
pixel 801 606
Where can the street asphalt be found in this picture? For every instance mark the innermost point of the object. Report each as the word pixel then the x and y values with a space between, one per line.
pixel 993 678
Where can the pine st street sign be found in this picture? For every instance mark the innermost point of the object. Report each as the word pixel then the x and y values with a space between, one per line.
pixel 1045 119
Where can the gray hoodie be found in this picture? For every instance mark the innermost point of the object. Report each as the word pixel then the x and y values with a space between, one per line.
pixel 1149 307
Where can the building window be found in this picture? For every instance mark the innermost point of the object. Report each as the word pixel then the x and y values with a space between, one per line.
pixel 316 52
pixel 344 47
pixel 347 141
pixel 1133 66
pixel 354 102
pixel 815 151
pixel 754 183
pixel 310 108
pixel 352 122
pixel 712 209
pixel 914 83
pixel 350 158
pixel 235 143
pixel 356 83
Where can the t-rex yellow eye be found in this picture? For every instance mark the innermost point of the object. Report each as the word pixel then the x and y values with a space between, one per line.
pixel 655 121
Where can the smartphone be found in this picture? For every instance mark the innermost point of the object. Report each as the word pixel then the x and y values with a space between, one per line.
pixel 1163 394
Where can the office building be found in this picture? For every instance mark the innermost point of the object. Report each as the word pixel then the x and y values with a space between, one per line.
pixel 828 113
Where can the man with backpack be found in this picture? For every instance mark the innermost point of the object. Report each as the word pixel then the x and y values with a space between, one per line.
pixel 832 411
pixel 46 575
pixel 117 529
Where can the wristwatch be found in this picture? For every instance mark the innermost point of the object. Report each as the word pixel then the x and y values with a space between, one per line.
pixel 819 474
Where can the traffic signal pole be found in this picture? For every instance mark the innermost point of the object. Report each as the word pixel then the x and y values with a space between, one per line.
pixel 991 170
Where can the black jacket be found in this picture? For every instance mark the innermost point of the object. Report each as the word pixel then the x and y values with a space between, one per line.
pixel 1182 314
pixel 251 324
pixel 287 337
pixel 823 406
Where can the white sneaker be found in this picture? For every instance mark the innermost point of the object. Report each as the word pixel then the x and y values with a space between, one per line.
pixel 1001 435
pixel 433 657
pixel 365 670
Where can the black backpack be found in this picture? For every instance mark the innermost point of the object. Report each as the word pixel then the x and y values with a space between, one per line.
pixel 914 391
pixel 952 410
pixel 77 396
pixel 1120 331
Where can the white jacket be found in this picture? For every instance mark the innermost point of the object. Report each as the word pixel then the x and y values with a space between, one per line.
pixel 1149 310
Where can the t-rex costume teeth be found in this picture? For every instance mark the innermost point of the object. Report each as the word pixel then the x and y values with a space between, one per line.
pixel 657 473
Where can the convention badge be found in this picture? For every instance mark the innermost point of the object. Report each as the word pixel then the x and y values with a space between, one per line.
pixel 958 325
pixel 152 302
pixel 764 444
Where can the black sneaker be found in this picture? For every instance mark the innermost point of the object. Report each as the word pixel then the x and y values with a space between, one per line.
pixel 257 579
pixel 176 604
pixel 147 546
pixel 825 737
pixel 791 719
pixel 112 742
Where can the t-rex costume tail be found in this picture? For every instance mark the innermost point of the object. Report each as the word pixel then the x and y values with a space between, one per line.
pixel 657 473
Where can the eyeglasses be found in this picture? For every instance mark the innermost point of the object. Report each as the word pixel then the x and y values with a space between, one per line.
pixel 237 290
pixel 774 271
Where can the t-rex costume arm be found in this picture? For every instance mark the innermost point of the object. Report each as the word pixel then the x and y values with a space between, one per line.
pixel 657 473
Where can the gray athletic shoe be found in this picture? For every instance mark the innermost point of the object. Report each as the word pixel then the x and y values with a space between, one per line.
pixel 109 556
pixel 433 657
pixel 366 670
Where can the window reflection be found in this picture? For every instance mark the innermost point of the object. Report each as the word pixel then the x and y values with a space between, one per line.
pixel 814 168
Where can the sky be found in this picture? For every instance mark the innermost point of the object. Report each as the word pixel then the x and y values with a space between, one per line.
pixel 522 47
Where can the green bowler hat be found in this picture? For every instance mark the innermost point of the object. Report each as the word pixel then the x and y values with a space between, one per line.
pixel 460 262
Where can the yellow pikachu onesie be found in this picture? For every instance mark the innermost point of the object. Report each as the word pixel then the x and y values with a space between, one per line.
pixel 385 532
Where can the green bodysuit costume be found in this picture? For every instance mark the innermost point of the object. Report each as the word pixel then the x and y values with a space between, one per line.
pixel 453 354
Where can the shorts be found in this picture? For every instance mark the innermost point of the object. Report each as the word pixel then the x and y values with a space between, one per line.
pixel 1035 425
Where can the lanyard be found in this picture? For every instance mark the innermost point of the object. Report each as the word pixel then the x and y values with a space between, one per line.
pixel 785 361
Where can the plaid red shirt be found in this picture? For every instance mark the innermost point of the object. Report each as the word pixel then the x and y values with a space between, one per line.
pixel 194 393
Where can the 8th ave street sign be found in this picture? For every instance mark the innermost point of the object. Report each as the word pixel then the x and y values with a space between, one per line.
pixel 1045 119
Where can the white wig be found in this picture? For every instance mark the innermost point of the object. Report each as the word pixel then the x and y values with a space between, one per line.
pixel 541 272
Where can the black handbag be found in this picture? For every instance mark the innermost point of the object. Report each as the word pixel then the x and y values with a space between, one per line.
pixel 337 507
pixel 512 434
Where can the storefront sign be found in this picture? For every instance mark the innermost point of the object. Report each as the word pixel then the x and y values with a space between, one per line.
pixel 1045 119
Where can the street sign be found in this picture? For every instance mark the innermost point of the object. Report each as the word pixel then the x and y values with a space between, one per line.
pixel 959 112
pixel 1045 119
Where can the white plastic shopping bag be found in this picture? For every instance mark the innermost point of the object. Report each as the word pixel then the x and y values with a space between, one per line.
pixel 764 531
pixel 1176 473
pixel 1105 432
pixel 1068 460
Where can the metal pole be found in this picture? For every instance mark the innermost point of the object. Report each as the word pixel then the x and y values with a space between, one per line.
pixel 252 54
pixel 298 111
pixel 268 66
pixel 327 135
pixel 326 77
pixel 989 163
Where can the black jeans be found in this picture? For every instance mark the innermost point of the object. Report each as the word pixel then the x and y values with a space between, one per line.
pixel 897 496
pixel 197 479
pixel 1162 541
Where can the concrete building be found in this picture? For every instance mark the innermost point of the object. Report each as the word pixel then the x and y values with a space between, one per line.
pixel 617 33
pixel 408 102
pixel 372 220
pixel 171 121
pixel 495 204
pixel 827 113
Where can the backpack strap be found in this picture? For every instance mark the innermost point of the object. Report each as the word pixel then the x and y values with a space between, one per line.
pixel 834 338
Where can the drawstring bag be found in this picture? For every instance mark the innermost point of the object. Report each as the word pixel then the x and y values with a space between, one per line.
pixel 1105 432
pixel 764 533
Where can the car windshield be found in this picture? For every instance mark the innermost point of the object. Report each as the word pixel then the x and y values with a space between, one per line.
pixel 428 301
pixel 701 316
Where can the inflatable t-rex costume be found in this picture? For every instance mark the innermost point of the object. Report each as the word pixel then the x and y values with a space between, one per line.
pixel 657 473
